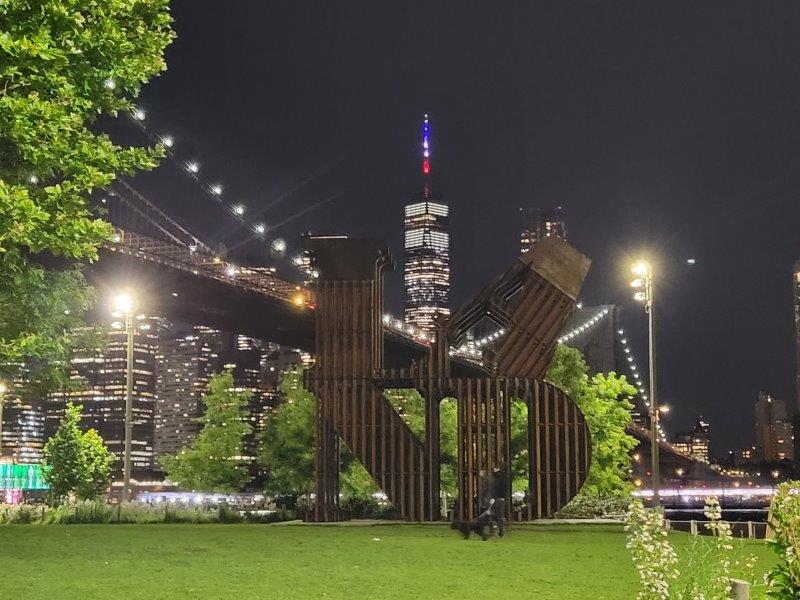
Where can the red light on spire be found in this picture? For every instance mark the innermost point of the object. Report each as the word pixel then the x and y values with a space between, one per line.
pixel 426 146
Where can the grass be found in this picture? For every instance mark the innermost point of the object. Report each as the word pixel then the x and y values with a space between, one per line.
pixel 242 562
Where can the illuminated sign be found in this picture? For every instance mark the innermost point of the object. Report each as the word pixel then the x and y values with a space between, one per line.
pixel 21 477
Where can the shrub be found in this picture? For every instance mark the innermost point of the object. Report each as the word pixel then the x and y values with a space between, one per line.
pixel 225 514
pixel 18 515
pixel 369 508
pixel 276 516
pixel 591 505
pixel 784 578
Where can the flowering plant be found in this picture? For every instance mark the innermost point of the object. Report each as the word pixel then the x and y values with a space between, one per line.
pixel 784 578
pixel 708 567
pixel 654 557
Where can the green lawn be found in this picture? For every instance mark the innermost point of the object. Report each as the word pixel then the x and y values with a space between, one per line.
pixel 153 562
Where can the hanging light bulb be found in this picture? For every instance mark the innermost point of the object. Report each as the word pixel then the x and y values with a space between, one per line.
pixel 261 228
pixel 139 114
pixel 193 167
pixel 238 209
pixel 216 189
pixel 168 141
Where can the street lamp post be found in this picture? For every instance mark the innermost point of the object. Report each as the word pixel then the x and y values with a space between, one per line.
pixel 3 390
pixel 124 303
pixel 646 295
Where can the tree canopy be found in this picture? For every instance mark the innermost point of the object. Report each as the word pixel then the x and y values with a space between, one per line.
pixel 287 446
pixel 64 64
pixel 212 463
pixel 40 325
pixel 604 401
pixel 75 462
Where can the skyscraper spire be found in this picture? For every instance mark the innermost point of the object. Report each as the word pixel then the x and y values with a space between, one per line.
pixel 426 156
pixel 427 250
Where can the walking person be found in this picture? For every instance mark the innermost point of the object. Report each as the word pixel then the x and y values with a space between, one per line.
pixel 498 488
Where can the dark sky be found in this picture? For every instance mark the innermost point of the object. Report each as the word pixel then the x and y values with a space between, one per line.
pixel 668 130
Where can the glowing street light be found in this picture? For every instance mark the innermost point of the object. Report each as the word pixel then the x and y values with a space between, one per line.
pixel 126 304
pixel 641 269
pixel 279 245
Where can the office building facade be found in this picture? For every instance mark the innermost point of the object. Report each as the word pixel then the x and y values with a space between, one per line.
pixel 23 437
pixel 98 375
pixel 538 224
pixel 185 365
pixel 774 430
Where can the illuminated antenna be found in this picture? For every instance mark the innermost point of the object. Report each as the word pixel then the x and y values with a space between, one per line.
pixel 426 155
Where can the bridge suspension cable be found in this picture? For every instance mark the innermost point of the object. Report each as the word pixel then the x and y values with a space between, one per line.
pixel 215 191
pixel 238 210
pixel 145 232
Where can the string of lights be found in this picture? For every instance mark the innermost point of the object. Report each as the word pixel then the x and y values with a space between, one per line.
pixel 634 369
pixel 630 360
pixel 583 326
pixel 214 190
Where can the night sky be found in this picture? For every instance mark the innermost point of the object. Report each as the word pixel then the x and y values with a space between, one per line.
pixel 668 131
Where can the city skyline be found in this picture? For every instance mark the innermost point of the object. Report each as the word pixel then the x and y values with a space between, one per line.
pixel 447 270
pixel 635 142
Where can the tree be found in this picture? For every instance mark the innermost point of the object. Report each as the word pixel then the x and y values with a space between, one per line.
pixel 40 326
pixel 75 462
pixel 519 446
pixel 287 444
pixel 605 403
pixel 63 64
pixel 212 463
pixel 410 405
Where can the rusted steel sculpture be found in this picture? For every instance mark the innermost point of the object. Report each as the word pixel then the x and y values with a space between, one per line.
pixel 522 313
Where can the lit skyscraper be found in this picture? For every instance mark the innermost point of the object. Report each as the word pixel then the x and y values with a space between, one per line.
pixel 796 290
pixel 694 443
pixel 22 436
pixel 539 224
pixel 185 366
pixel 427 250
pixel 796 420
pixel 773 429
pixel 99 374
